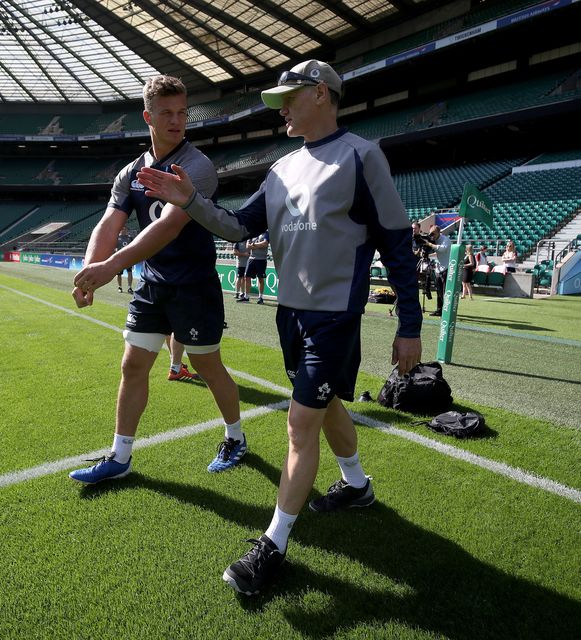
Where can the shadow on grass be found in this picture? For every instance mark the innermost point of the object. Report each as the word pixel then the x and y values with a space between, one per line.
pixel 259 397
pixel 431 583
pixel 508 324
pixel 519 374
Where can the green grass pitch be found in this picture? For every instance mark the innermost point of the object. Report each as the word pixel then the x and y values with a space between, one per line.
pixel 450 549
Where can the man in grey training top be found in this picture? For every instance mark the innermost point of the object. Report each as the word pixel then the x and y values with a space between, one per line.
pixel 256 266
pixel 332 197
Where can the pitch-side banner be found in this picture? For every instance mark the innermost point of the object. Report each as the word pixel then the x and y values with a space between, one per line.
pixel 450 303
pixel 227 275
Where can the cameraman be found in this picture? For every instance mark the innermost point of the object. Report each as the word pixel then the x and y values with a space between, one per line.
pixel 441 245
pixel 416 239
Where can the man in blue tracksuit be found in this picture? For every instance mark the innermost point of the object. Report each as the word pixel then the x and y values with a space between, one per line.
pixel 332 197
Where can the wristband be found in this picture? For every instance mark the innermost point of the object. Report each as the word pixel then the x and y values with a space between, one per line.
pixel 192 198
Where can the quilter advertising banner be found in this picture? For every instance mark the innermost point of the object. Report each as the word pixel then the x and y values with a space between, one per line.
pixel 227 276
pixel 450 304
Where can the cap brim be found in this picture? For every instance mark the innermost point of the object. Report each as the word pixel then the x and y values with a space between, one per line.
pixel 273 98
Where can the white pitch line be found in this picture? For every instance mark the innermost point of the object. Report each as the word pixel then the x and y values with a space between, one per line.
pixel 500 468
pixel 64 309
pixel 57 466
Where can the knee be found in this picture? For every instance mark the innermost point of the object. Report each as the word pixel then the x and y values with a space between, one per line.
pixel 133 369
pixel 300 439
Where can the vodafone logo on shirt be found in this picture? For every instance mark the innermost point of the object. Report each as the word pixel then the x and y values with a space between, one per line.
pixel 297 199
pixel 297 203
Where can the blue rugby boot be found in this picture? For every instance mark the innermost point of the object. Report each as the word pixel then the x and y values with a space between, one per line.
pixel 105 469
pixel 230 452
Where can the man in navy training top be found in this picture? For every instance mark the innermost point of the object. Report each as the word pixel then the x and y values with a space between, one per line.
pixel 179 291
pixel 241 252
pixel 332 197
pixel 123 240
pixel 256 266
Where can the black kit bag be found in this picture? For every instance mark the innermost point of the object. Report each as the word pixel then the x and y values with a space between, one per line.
pixel 423 390
pixel 457 424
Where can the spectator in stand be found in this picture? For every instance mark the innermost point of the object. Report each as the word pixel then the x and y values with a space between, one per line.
pixel 481 258
pixel 509 257
pixel 241 252
pixel 468 272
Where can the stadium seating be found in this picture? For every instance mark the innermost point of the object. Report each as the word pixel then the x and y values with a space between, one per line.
pixel 441 30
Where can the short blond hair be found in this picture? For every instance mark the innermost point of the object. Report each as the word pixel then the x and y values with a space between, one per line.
pixel 162 86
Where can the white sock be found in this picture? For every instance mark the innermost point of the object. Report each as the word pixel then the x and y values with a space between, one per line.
pixel 176 368
pixel 234 431
pixel 352 471
pixel 122 446
pixel 280 528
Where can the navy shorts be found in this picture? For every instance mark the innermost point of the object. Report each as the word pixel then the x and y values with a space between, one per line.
pixel 128 270
pixel 256 269
pixel 240 271
pixel 322 353
pixel 193 313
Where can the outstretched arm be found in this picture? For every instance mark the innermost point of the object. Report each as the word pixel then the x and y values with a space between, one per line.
pixel 101 245
pixel 149 242
pixel 176 188
pixel 248 221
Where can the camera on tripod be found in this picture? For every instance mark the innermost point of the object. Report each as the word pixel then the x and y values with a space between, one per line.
pixel 421 240
pixel 424 267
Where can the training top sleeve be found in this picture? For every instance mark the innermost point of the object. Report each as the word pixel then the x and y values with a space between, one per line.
pixel 120 192
pixel 391 233
pixel 247 222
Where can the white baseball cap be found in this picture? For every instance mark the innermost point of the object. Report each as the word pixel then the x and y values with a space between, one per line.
pixel 305 74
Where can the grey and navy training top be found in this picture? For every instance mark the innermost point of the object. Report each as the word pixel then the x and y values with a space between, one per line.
pixel 328 206
pixel 241 261
pixel 260 254
pixel 191 257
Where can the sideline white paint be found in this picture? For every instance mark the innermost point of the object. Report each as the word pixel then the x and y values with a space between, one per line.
pixel 500 468
pixel 166 436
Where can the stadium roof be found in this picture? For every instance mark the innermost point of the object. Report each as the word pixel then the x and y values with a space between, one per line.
pixel 103 50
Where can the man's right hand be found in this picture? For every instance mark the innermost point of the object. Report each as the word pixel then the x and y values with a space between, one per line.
pixel 82 298
pixel 174 188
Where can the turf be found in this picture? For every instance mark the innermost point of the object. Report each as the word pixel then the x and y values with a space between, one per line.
pixel 449 550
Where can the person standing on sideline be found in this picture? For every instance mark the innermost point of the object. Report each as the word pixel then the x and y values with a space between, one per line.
pixel 179 291
pixel 241 252
pixel 441 245
pixel 509 257
pixel 468 272
pixel 123 239
pixel 333 196
pixel 256 267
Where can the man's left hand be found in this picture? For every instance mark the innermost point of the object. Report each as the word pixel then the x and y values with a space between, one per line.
pixel 406 353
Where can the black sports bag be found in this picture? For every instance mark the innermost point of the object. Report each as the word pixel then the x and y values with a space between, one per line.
pixel 423 391
pixel 457 424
